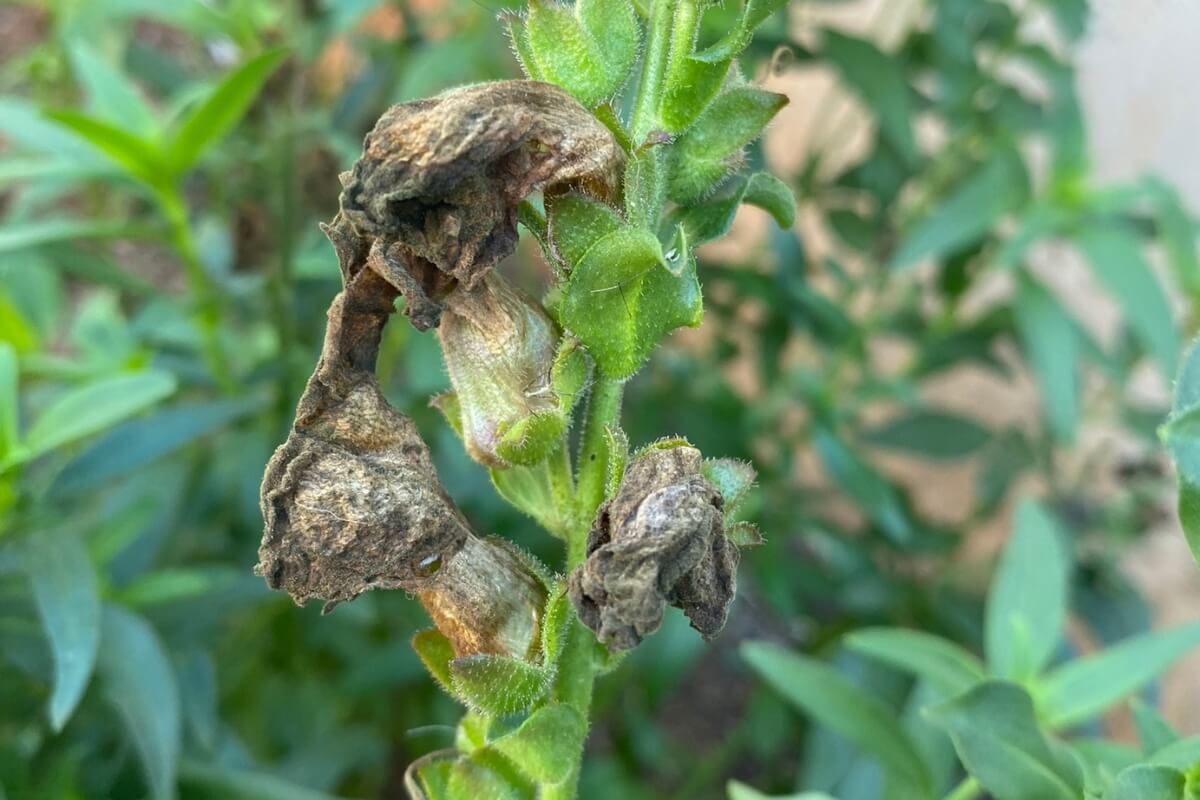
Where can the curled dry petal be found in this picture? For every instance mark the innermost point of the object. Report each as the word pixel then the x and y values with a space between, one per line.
pixel 440 179
pixel 352 501
pixel 659 540
pixel 499 345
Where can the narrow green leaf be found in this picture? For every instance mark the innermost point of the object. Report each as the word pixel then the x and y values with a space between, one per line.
pixel 1184 446
pixel 1052 345
pixel 1118 262
pixel 773 196
pixel 1153 731
pixel 68 602
pixel 111 95
pixel 221 111
pixel 547 745
pixel 735 41
pixel 436 653
pixel 1147 782
pixel 140 685
pixel 1178 231
pixel 863 484
pixel 997 738
pixel 947 667
pixel 140 158
pixel 1027 602
pixel 10 419
pixel 217 782
pixel 1081 689
pixel 997 187
pixel 88 409
pixel 879 79
pixel 930 433
pixel 33 234
pixel 862 718
pixel 733 479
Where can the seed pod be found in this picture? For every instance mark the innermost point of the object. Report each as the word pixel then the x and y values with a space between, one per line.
pixel 499 345
pixel 658 540
pixel 440 179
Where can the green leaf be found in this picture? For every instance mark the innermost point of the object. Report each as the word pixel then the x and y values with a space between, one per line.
pixel 497 685
pixel 556 624
pixel 485 774
pixel 92 407
pixel 860 717
pixel 735 41
pixel 436 653
pixel 1183 443
pixel 1119 264
pixel 996 736
pixel 576 223
pixel 140 685
pixel 987 193
pixel 140 158
pixel 733 479
pixel 1183 754
pixel 136 443
pixel 588 51
pixel 736 790
pixel 10 420
pixel 47 231
pixel 1147 782
pixel 623 297
pixel 935 434
pixel 1051 344
pixel 68 603
pixel 217 782
pixel 111 95
pixel 947 667
pixel 1178 233
pixel 518 38
pixel 547 745
pixel 743 534
pixel 1081 689
pixel 864 486
pixel 687 91
pixel 1153 731
pixel 879 79
pixel 700 157
pixel 773 196
pixel 1027 603
pixel 220 111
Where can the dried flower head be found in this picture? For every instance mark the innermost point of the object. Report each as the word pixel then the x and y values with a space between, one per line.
pixel 659 540
pixel 440 179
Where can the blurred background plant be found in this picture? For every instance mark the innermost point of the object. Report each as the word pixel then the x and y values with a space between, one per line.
pixel 162 281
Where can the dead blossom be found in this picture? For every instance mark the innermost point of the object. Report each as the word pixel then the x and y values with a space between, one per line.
pixel 436 190
pixel 659 540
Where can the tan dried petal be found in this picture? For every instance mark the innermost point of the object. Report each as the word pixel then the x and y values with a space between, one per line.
pixel 440 179
pixel 658 541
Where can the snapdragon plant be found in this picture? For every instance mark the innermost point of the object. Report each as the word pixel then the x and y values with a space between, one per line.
pixel 629 189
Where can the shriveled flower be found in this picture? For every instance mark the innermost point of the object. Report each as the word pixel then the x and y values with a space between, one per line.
pixel 659 540
pixel 437 187
pixel 499 345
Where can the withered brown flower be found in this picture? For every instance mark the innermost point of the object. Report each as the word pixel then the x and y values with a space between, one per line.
pixel 437 188
pixel 659 540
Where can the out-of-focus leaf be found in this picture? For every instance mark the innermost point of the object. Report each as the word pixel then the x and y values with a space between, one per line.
pixel 1148 782
pixel 926 432
pixel 1084 688
pixel 1027 603
pixel 996 735
pixel 1183 754
pixel 1153 731
pixel 111 95
pixel 139 157
pixel 10 420
pixel 986 194
pixel 833 701
pixel 736 790
pixel 1118 262
pixel 217 782
pixel 68 602
pixel 879 80
pixel 88 409
pixel 865 486
pixel 220 112
pixel 47 231
pixel 1052 346
pixel 1178 232
pixel 1183 441
pixel 136 443
pixel 948 667
pixel 139 683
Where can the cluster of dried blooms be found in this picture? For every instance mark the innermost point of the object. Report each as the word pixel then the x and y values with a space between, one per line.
pixel 352 501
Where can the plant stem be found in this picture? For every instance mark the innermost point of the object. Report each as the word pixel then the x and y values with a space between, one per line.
pixel 562 488
pixel 966 789
pixel 604 407
pixel 654 63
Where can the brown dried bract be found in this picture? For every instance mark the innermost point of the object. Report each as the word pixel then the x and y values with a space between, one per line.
pixel 659 540
pixel 436 190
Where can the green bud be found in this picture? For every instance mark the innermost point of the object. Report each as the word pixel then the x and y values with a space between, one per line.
pixel 708 150
pixel 499 348
pixel 588 49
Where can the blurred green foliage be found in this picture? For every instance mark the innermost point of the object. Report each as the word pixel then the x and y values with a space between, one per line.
pixel 162 285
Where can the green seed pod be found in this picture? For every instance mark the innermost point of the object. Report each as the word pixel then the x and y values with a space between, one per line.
pixel 499 347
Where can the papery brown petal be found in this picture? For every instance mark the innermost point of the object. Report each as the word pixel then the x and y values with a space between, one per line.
pixel 658 541
pixel 440 179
